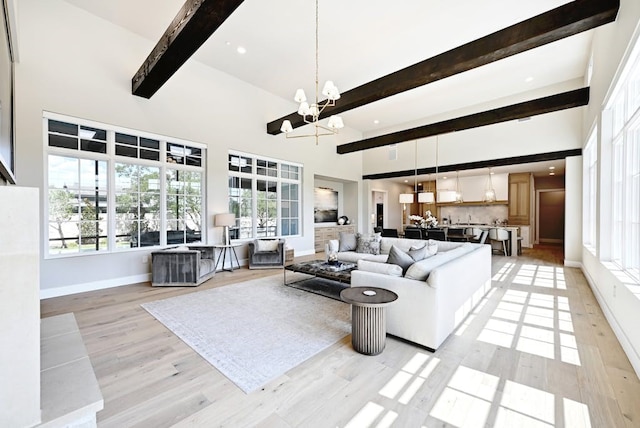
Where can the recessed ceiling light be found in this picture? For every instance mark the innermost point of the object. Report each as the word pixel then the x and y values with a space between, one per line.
pixel 552 173
pixel 406 181
pixel 444 178
pixel 241 50
pixel 228 43
pixel 376 121
pixel 529 79
pixel 492 173
pixel 552 167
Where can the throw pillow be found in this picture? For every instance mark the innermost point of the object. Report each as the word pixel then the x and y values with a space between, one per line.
pixel 348 242
pixel 332 246
pixel 266 245
pixel 418 254
pixel 432 247
pixel 367 244
pixel 400 258
pixel 181 248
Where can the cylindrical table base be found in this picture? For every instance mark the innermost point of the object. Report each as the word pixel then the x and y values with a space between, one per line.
pixel 368 329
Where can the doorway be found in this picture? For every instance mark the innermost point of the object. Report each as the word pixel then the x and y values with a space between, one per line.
pixel 379 215
pixel 550 218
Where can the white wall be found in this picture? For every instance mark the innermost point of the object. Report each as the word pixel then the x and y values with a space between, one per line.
pixel 76 64
pixel 616 296
pixel 573 211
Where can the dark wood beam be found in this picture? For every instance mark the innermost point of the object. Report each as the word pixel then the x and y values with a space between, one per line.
pixel 515 160
pixel 193 25
pixel 572 18
pixel 562 101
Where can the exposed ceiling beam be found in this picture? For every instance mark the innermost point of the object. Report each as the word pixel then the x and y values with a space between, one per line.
pixel 572 18
pixel 562 101
pixel 516 160
pixel 193 25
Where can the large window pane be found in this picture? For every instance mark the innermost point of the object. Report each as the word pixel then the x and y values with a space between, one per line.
pixel 137 205
pixel 77 202
pixel 184 206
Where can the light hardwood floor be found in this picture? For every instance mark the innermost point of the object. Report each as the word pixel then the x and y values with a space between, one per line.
pixel 536 352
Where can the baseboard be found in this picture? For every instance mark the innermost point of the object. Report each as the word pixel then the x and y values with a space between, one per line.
pixel 629 350
pixel 573 263
pixel 48 293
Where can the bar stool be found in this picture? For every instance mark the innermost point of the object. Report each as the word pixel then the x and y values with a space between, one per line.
pixel 499 235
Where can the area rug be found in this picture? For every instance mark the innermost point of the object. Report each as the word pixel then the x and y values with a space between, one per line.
pixel 254 331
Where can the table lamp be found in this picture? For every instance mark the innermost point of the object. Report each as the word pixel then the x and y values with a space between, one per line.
pixel 225 220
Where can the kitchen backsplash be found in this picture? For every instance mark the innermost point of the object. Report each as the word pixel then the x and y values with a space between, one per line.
pixel 486 214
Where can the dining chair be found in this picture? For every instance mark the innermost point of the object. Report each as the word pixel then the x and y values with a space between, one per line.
pixel 456 234
pixel 412 233
pixel 437 234
pixel 390 233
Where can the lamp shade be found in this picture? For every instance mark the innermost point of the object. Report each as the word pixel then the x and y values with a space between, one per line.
pixel 406 198
pixel 226 219
pixel 426 198
pixel 286 127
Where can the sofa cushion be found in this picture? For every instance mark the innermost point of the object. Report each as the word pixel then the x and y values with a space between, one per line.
pixel 348 241
pixel 353 257
pixel 369 244
pixel 400 258
pixel 421 270
pixel 402 243
pixel 432 247
pixel 382 268
pixel 266 245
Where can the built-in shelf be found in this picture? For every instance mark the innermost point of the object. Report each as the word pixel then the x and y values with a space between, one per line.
pixel 471 203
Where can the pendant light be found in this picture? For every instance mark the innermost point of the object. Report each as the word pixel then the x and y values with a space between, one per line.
pixel 458 191
pixel 489 193
pixel 429 197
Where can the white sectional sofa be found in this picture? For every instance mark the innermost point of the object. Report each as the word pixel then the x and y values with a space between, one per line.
pixel 434 295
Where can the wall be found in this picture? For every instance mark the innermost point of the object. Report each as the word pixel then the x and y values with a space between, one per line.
pixel 618 297
pixel 76 64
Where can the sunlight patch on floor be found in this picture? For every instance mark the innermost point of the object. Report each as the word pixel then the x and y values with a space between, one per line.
pixel 535 323
pixel 466 401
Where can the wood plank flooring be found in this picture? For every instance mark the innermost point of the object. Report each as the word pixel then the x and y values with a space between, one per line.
pixel 536 352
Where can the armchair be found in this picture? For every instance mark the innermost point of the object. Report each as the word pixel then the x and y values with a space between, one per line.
pixel 266 253
pixel 182 266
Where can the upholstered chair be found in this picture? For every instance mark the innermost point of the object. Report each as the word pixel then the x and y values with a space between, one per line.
pixel 266 253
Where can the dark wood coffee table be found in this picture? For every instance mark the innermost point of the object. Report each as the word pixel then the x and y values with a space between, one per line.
pixel 325 280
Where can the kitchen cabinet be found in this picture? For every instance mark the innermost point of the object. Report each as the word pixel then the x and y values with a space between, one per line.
pixel 520 198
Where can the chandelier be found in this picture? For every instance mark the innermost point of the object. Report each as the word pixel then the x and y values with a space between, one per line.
pixel 311 112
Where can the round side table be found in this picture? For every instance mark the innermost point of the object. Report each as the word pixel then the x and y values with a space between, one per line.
pixel 368 321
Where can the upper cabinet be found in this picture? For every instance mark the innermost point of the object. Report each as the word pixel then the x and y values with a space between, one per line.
pixel 520 198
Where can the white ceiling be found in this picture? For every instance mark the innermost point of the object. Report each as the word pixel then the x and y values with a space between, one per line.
pixel 361 40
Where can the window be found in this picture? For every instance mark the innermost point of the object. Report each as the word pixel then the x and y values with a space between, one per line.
pixel 264 195
pixel 590 189
pixel 625 181
pixel 156 195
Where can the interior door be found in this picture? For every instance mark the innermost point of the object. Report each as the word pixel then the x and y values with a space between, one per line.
pixel 380 215
pixel 551 216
